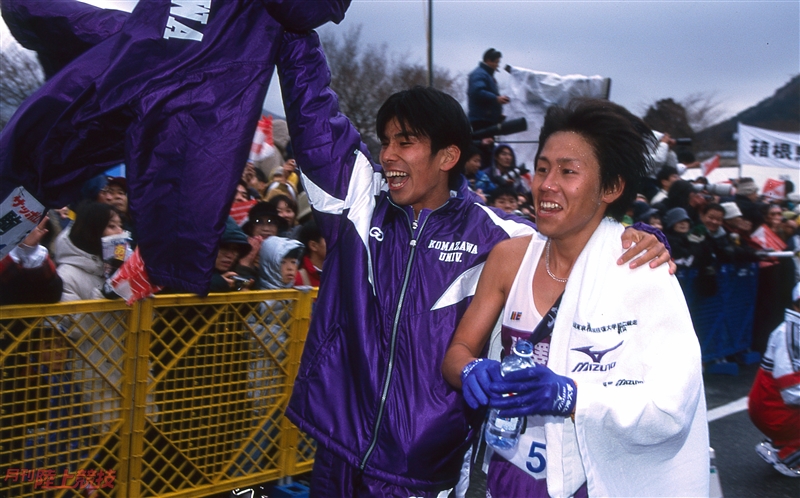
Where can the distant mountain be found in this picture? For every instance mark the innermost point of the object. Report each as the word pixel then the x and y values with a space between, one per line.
pixel 781 112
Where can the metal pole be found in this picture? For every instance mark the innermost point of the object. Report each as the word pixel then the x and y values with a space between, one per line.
pixel 430 43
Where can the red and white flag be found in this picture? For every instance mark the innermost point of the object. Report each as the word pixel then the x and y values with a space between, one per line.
pixel 709 165
pixel 262 146
pixel 131 281
pixel 775 189
pixel 239 211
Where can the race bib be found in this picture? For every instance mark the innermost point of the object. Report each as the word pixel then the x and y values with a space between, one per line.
pixel 530 454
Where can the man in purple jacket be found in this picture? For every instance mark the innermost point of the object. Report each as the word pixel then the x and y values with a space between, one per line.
pixel 406 244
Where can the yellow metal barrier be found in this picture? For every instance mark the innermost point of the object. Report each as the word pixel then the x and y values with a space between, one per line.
pixel 174 396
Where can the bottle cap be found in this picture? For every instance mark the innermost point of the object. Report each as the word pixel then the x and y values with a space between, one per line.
pixel 523 348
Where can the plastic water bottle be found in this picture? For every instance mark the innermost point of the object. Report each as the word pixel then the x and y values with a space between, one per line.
pixel 503 433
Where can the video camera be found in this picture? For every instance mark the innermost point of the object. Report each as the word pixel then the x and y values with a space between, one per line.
pixel 720 189
pixel 504 128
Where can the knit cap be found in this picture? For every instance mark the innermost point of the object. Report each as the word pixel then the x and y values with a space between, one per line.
pixel 731 210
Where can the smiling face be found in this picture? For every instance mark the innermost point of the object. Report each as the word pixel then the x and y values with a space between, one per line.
pixel 712 219
pixel 568 197
pixel 285 211
pixel 415 176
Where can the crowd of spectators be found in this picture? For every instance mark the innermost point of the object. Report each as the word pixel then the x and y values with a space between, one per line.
pixel 704 230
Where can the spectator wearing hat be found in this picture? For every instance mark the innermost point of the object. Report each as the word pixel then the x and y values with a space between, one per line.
pixel 740 250
pixel 279 185
pixel 645 213
pixel 677 225
pixel 278 260
pixel 232 246
pixel 691 251
pixel 747 199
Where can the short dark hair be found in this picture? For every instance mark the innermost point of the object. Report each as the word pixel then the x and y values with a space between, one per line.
pixel 473 150
pixel 712 206
pixel 620 140
pixel 91 219
pixel 260 175
pixel 285 198
pixel 430 113
pixel 665 172
pixel 503 191
pixel 491 55
pixel 309 232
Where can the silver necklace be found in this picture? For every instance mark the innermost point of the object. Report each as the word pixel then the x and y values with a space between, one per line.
pixel 547 264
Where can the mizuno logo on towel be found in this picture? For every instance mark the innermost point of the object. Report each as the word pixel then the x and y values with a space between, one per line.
pixel 596 356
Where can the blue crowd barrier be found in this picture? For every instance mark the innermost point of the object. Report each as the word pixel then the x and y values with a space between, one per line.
pixel 724 321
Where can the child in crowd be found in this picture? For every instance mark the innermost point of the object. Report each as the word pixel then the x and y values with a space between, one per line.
pixel 311 266
pixel 505 199
pixel 278 263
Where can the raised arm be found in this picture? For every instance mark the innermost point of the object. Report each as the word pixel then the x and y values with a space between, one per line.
pixel 323 139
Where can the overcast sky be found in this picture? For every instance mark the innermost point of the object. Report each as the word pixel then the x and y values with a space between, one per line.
pixel 741 50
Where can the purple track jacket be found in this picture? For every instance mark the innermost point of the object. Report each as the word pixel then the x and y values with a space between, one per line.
pixel 370 387
pixel 174 89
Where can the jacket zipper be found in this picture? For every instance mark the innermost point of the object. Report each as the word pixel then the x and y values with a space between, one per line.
pixel 390 367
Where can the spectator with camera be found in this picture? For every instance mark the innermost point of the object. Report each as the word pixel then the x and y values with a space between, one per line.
pixel 747 199
pixel 483 96
pixel 233 246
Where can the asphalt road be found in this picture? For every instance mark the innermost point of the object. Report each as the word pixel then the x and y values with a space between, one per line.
pixel 742 473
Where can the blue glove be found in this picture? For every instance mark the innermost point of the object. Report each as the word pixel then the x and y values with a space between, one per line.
pixel 476 377
pixel 537 391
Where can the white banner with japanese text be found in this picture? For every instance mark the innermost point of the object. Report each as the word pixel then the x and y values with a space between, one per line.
pixel 19 214
pixel 760 147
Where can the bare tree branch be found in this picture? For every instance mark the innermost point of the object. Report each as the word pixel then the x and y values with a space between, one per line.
pixel 364 76
pixel 703 109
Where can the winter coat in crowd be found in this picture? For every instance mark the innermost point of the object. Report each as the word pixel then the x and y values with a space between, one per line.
pixel 81 272
pixel 272 252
